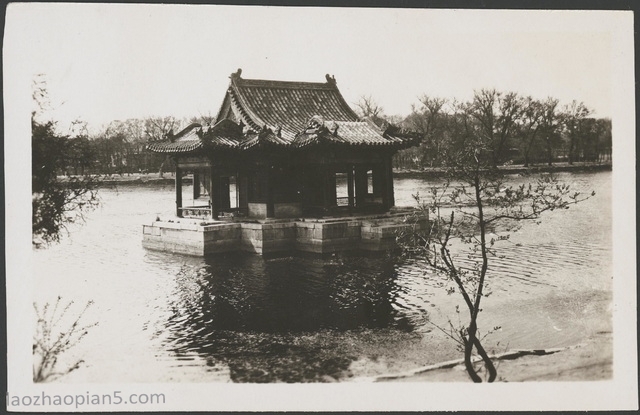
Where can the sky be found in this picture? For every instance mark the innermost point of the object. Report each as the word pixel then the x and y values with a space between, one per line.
pixel 106 62
pixel 117 61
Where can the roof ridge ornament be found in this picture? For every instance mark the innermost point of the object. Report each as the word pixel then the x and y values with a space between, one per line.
pixel 236 75
pixel 314 123
pixel 331 79
pixel 333 128
pixel 244 127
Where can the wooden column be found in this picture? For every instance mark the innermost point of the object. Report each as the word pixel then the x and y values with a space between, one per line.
pixel 388 199
pixel 331 187
pixel 178 191
pixel 242 185
pixel 270 186
pixel 325 192
pixel 378 180
pixel 360 185
pixel 224 198
pixel 196 184
pixel 350 186
pixel 214 189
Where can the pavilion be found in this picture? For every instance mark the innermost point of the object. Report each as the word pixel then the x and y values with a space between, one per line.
pixel 287 166
pixel 283 149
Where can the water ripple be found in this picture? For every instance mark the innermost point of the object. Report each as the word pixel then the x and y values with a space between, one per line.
pixel 246 318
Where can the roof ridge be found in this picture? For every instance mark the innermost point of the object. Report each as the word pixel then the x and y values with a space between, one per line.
pixel 184 130
pixel 241 82
pixel 260 103
pixel 245 112
pixel 348 122
pixel 344 103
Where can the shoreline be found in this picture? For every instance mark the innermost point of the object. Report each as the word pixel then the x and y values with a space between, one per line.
pixel 437 172
pixel 586 357
pixel 587 361
pixel 145 179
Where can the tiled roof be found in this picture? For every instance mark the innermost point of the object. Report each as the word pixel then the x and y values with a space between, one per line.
pixel 347 132
pixel 166 146
pixel 357 133
pixel 287 105
pixel 285 114
pixel 225 133
pixel 185 141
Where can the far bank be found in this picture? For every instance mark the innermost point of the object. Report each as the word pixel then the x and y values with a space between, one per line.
pixel 136 179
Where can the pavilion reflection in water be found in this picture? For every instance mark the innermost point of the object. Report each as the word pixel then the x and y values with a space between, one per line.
pixel 282 319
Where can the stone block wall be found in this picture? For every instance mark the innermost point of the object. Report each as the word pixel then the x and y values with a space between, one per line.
pixel 173 238
pixel 266 238
pixel 287 210
pixel 257 210
pixel 316 236
pixel 326 237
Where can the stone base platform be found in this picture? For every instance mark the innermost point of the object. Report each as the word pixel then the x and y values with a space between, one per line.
pixel 327 235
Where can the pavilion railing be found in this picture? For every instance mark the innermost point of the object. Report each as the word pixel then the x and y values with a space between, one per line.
pixel 195 211
pixel 203 212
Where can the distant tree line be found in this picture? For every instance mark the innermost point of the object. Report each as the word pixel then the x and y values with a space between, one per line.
pixel 119 147
pixel 518 129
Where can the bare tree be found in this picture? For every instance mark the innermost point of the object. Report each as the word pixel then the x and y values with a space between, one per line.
pixel 497 114
pixel 39 97
pixel 551 123
pixel 532 113
pixel 484 209
pixel 574 115
pixel 367 107
pixel 51 340
pixel 157 128
pixel 206 120
pixel 56 202
pixel 432 124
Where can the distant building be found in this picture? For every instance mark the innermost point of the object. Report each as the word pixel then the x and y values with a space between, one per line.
pixel 283 150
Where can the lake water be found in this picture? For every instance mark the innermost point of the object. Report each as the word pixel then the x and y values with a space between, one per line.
pixel 243 318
